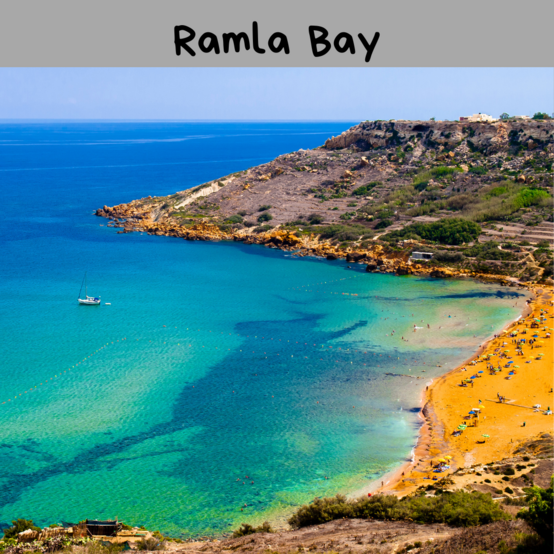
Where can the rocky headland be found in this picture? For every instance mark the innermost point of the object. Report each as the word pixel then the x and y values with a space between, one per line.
pixel 477 196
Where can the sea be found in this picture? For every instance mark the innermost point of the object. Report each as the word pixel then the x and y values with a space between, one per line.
pixel 217 383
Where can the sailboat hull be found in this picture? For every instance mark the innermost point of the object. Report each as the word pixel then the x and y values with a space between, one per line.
pixel 89 301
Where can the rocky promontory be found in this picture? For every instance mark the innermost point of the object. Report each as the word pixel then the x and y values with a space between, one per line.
pixel 477 196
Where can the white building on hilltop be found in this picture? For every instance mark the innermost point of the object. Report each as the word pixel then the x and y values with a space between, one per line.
pixel 479 117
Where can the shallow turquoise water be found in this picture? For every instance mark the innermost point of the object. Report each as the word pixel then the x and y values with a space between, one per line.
pixel 221 376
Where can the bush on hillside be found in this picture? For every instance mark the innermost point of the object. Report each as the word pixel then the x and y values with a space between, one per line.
pixel 315 219
pixel 383 224
pixel 365 189
pixel 247 529
pixel 540 512
pixel 448 257
pixel 265 217
pixel 342 232
pixel 234 219
pixel 19 525
pixel 452 231
pixel 460 508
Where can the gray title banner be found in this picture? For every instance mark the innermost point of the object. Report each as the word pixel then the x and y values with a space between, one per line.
pixel 208 33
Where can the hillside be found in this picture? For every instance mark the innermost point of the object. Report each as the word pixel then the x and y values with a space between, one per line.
pixel 476 195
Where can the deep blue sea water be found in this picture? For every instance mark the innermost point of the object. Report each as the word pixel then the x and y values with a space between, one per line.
pixel 224 383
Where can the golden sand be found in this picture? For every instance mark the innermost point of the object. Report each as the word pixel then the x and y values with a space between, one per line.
pixel 508 423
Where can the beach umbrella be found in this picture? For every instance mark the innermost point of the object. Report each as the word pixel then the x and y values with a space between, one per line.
pixel 461 427
pixel 541 354
pixel 506 351
pixel 442 460
pixel 486 436
pixel 535 336
pixel 516 366
pixel 481 407
pixel 448 457
pixel 472 412
pixel 473 377
pixel 480 371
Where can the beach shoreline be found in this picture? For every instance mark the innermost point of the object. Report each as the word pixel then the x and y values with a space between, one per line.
pixel 431 440
pixel 391 478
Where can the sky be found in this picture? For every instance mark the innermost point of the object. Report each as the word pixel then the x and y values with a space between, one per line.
pixel 340 94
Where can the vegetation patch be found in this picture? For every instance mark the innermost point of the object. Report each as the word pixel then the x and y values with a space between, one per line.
pixel 460 509
pixel 365 189
pixel 452 231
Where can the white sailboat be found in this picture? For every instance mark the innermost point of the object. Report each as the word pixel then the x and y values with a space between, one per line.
pixel 87 300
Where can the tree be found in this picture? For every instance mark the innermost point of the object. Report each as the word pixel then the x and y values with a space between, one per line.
pixel 541 115
pixel 504 116
pixel 19 525
pixel 540 513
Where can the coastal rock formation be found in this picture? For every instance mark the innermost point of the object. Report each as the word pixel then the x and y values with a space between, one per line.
pixel 358 196
pixel 488 138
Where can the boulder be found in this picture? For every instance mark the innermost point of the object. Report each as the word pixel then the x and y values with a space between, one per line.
pixel 331 256
pixel 354 256
pixel 404 270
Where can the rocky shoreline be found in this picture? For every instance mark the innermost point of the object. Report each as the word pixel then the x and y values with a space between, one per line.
pixel 134 217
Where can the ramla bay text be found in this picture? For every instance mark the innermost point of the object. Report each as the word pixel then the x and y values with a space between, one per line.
pixel 320 41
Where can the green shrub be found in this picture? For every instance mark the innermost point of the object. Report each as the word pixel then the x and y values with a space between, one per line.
pixel 19 525
pixel 449 257
pixel 460 508
pixel 262 228
pixel 453 231
pixel 365 189
pixel 342 232
pixel 383 224
pixel 509 490
pixel 530 197
pixel 247 529
pixel 347 215
pixel 265 217
pixel 441 171
pixel 264 208
pixel 315 219
pixel 234 219
pixel 540 512
pixel 421 186
pixel 478 170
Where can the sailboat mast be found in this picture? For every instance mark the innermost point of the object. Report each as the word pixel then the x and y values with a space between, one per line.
pixel 83 281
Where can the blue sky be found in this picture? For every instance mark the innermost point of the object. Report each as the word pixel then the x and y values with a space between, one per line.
pixel 344 94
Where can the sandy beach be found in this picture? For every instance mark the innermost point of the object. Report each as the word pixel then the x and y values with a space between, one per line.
pixel 508 423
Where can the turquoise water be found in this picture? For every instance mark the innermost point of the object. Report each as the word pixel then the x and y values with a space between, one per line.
pixel 222 377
